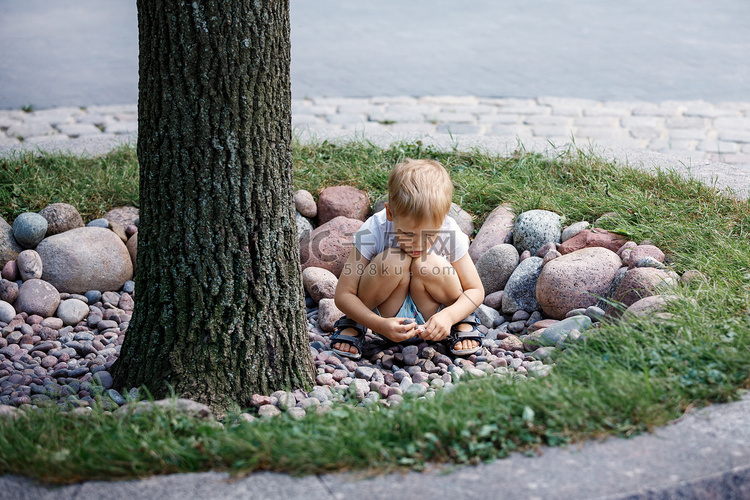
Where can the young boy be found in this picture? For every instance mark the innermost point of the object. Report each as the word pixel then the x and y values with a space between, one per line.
pixel 409 273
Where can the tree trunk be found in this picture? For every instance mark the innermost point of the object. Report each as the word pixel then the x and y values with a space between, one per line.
pixel 219 309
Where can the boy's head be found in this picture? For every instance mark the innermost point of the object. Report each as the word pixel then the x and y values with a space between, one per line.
pixel 420 190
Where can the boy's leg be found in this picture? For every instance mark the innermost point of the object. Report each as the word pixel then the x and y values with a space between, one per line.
pixel 384 284
pixel 435 282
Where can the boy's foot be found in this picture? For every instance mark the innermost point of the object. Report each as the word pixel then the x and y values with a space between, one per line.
pixel 465 338
pixel 349 338
pixel 468 343
pixel 344 346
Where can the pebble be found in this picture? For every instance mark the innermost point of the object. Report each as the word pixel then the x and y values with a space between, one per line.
pixel 268 410
pixel 99 223
pixel 29 265
pixel 7 313
pixel 72 311
pixel 8 290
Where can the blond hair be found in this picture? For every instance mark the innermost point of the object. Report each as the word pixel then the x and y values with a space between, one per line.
pixel 421 189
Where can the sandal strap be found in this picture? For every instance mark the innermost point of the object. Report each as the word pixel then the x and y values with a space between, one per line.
pixel 344 323
pixel 457 335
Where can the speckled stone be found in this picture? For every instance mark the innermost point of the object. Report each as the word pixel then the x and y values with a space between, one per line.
pixel 463 219
pixel 61 217
pixel 9 247
pixel 534 228
pixel 495 267
pixel 520 291
pixel 29 265
pixel 304 226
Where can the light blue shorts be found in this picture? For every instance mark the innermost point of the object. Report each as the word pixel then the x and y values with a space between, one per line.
pixel 409 310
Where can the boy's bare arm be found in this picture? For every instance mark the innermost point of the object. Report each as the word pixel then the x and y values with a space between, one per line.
pixel 346 297
pixel 473 291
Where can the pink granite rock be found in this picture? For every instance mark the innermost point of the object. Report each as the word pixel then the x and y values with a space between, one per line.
pixel 494 300
pixel 575 280
pixel 345 201
pixel 328 246
pixel 628 245
pixel 37 297
pixel 124 216
pixel 10 271
pixel 494 231
pixel 638 283
pixel 593 238
pixel 61 217
pixel 541 325
pixel 319 283
pixel 641 251
pixel 552 254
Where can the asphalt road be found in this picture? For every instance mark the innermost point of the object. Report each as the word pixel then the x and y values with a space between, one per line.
pixel 84 52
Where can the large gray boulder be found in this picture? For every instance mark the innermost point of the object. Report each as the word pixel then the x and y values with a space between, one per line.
pixel 534 228
pixel 496 265
pixel 520 291
pixel 85 258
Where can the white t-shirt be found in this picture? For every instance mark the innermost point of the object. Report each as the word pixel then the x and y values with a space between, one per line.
pixel 377 234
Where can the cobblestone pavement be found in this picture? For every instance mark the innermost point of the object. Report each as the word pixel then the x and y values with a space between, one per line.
pixel 695 130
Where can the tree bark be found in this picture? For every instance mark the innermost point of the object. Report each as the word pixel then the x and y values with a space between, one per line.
pixel 219 309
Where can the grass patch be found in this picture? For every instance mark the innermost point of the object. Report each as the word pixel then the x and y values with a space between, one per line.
pixel 31 181
pixel 627 379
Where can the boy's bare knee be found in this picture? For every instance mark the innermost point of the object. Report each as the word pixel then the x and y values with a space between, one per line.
pixel 391 262
pixel 431 267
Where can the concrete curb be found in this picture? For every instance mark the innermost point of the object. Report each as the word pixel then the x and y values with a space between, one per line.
pixel 706 454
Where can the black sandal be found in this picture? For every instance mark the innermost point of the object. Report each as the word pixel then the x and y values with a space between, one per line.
pixel 457 336
pixel 358 341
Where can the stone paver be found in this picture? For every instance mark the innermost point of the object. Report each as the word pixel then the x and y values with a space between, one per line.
pixel 697 130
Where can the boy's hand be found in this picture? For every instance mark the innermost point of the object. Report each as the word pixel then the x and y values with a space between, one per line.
pixel 436 328
pixel 399 329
